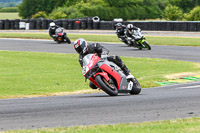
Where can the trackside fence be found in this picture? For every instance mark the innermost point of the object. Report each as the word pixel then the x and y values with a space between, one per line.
pixel 90 23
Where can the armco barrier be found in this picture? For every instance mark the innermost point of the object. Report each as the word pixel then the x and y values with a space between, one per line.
pixel 94 23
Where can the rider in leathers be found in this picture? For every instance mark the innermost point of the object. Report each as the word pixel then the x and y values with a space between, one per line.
pixel 120 31
pixel 130 30
pixel 52 32
pixel 83 49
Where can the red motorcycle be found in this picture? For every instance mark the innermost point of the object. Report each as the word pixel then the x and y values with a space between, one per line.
pixel 108 76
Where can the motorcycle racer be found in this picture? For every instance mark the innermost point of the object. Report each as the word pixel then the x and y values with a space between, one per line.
pixel 130 30
pixel 83 49
pixel 52 32
pixel 120 31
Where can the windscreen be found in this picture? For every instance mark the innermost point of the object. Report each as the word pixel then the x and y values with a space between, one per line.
pixel 87 59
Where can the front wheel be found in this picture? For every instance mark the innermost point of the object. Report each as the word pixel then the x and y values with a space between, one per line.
pixel 107 86
pixel 147 46
pixel 136 89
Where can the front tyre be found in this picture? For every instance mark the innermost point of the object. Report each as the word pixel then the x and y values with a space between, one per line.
pixel 147 46
pixel 107 86
pixel 136 89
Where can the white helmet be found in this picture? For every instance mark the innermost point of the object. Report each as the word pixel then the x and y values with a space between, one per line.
pixel 130 28
pixel 52 24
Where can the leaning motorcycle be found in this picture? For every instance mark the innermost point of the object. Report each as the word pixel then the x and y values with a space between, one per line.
pixel 137 40
pixel 108 76
pixel 60 35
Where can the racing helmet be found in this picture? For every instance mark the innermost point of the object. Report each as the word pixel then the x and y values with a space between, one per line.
pixel 52 25
pixel 80 45
pixel 118 25
pixel 130 28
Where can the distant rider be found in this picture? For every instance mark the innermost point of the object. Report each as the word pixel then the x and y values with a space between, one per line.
pixel 52 32
pixel 130 30
pixel 120 31
pixel 83 49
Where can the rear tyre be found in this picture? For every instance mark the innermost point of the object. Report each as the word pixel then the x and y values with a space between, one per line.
pixel 146 44
pixel 136 89
pixel 58 42
pixel 108 87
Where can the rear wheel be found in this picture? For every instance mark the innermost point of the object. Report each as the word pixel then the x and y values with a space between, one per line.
pixel 59 40
pixel 147 46
pixel 107 86
pixel 136 89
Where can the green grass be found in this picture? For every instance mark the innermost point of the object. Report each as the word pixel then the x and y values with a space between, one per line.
pixel 9 16
pixel 34 73
pixel 171 126
pixel 172 41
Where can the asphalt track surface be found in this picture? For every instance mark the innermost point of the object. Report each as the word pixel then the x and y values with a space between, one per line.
pixel 160 103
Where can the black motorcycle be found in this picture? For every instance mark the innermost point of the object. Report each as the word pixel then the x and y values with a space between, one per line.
pixel 61 36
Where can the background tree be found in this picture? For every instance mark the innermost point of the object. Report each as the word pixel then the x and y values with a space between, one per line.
pixel 185 5
pixel 194 14
pixel 40 14
pixel 28 8
pixel 109 9
pixel 173 13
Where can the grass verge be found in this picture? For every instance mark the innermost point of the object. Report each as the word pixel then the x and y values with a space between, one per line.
pixel 33 73
pixel 190 125
pixel 171 41
pixel 9 16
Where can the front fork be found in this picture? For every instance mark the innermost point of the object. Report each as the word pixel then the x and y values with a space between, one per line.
pixel 103 74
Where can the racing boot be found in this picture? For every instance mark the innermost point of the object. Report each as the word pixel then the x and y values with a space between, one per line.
pixel 130 76
pixel 127 72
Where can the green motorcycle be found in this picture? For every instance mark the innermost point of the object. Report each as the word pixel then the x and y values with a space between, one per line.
pixel 137 40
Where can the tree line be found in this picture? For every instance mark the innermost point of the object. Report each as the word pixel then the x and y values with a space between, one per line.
pixel 110 9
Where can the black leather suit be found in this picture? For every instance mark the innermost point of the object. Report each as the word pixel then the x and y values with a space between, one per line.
pixel 52 32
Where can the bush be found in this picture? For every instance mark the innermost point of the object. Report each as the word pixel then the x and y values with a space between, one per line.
pixel 40 14
pixel 57 15
pixel 173 13
pixel 194 14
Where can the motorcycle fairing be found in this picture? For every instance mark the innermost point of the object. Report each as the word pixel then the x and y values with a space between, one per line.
pixel 119 76
pixel 104 74
pixel 94 82
pixel 113 73
pixel 91 64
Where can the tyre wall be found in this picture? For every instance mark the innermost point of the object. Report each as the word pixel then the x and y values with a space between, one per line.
pixel 95 23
